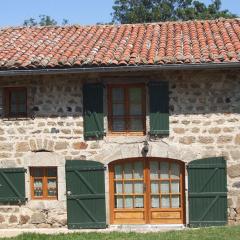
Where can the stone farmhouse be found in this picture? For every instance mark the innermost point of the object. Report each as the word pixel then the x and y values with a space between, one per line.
pixel 115 125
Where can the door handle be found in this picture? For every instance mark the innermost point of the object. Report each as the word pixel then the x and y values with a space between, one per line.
pixel 69 193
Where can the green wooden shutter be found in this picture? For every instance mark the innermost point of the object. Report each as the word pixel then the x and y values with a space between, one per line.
pixel 207 192
pixel 93 110
pixel 12 185
pixel 159 108
pixel 85 194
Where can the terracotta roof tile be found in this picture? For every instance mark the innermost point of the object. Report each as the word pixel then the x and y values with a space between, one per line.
pixel 191 42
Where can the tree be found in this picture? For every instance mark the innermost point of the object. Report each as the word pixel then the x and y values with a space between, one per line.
pixel 135 11
pixel 44 20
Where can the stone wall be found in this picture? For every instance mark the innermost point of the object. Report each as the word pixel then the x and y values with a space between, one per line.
pixel 204 122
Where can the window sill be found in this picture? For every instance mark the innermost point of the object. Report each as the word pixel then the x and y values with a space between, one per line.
pixel 44 199
pixel 125 138
pixel 7 119
pixel 119 134
pixel 46 204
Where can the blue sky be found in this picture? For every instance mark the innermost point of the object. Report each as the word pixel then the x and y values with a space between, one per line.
pixel 14 12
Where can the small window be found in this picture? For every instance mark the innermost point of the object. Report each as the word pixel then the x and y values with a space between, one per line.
pixel 16 102
pixel 43 182
pixel 127 109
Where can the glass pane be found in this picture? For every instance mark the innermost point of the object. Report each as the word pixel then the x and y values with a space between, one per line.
pixel 13 108
pixel 175 170
pixel 128 202
pixel 154 170
pixel 139 202
pixel 118 95
pixel 128 187
pixel 138 187
pixel 118 109
pixel 136 124
pixel 18 97
pixel 118 202
pixel 22 108
pixel 118 187
pixel 21 97
pixel 165 201
pixel 135 95
pixel 128 171
pixel 52 187
pixel 138 170
pixel 164 170
pixel 118 171
pixel 155 201
pixel 38 172
pixel 13 97
pixel 118 125
pixel 175 201
pixel 52 172
pixel 38 187
pixel 135 109
pixel 154 187
pixel 175 188
pixel 164 186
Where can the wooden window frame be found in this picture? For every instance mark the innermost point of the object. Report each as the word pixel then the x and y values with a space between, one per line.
pixel 132 181
pixel 126 108
pixel 45 184
pixel 159 180
pixel 7 101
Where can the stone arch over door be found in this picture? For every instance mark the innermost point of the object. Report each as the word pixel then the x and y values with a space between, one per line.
pixel 113 152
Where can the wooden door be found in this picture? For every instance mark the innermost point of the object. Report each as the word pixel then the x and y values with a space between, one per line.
pixel 127 192
pixel 207 184
pixel 146 190
pixel 85 194
pixel 166 187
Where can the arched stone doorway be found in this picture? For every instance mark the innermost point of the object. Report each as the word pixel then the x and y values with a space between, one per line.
pixel 147 191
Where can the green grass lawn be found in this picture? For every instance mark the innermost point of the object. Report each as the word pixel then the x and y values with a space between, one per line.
pixel 228 233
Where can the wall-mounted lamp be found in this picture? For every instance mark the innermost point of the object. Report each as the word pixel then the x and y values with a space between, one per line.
pixel 145 148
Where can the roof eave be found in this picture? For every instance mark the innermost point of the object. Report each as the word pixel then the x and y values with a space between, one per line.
pixel 201 66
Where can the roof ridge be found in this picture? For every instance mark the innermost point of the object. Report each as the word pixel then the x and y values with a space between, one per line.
pixel 124 24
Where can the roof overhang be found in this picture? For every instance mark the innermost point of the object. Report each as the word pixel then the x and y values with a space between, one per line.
pixel 202 66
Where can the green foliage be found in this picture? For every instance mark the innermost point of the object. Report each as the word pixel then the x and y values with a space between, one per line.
pixel 219 233
pixel 65 22
pixel 44 20
pixel 136 11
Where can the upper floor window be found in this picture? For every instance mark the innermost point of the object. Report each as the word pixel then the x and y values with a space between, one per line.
pixel 16 102
pixel 127 111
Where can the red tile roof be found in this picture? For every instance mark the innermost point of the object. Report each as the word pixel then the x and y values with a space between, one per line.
pixel 191 42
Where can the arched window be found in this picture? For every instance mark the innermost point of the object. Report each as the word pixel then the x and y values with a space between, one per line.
pixel 147 190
